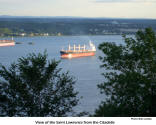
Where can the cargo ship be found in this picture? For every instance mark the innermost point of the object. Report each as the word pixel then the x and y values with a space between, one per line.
pixel 78 51
pixel 7 42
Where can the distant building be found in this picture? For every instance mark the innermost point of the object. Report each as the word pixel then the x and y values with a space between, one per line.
pixel 59 34
pixel 46 34
pixel 23 34
pixel 32 34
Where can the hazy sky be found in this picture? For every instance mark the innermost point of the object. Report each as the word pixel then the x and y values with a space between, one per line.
pixel 83 8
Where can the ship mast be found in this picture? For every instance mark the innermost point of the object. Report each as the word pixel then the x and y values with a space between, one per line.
pixel 74 47
pixel 84 47
pixel 69 47
pixel 79 47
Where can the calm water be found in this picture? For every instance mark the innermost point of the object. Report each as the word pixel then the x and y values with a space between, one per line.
pixel 86 70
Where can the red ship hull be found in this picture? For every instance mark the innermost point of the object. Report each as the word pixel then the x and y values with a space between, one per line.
pixel 6 43
pixel 76 55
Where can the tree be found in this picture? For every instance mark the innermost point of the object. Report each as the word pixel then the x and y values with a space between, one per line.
pixel 35 87
pixel 5 31
pixel 130 73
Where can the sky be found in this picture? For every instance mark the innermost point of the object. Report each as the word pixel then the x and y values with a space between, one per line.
pixel 80 8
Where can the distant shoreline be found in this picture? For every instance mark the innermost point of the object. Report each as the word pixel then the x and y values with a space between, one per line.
pixel 64 35
pixel 30 27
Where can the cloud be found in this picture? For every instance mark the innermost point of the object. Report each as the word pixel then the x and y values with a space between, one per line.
pixel 125 1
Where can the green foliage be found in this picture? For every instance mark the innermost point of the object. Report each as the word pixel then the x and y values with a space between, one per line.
pixel 130 84
pixel 35 87
pixel 5 31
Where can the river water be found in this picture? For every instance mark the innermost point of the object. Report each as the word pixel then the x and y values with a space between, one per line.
pixel 86 70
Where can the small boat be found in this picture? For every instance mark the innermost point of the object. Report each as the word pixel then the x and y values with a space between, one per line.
pixel 18 42
pixel 7 42
pixel 78 51
pixel 31 43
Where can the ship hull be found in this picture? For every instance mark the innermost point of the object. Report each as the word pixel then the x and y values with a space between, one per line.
pixel 7 43
pixel 76 54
